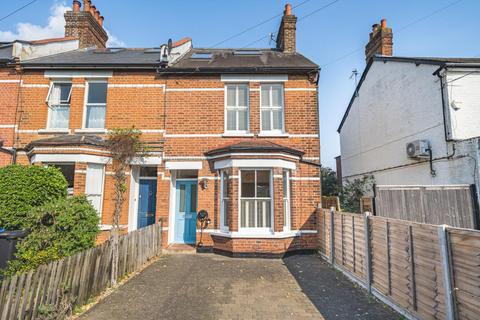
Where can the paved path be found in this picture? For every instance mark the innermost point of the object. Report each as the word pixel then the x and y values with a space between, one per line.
pixel 207 286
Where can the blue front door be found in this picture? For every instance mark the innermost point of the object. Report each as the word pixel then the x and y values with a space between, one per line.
pixel 186 211
pixel 147 202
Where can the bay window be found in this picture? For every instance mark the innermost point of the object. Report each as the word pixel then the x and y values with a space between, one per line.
pixel 58 100
pixel 272 108
pixel 96 104
pixel 236 108
pixel 256 199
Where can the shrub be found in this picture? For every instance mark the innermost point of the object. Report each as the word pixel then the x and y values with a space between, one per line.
pixel 353 191
pixel 57 229
pixel 25 187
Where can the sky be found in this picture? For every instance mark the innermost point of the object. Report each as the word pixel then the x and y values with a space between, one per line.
pixel 332 33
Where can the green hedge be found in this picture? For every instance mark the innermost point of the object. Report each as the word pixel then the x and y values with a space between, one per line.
pixel 25 187
pixel 57 229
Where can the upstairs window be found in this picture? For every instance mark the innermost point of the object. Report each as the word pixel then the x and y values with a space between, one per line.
pixel 58 100
pixel 272 108
pixel 96 105
pixel 236 108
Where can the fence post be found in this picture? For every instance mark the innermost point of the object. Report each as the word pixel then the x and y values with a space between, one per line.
pixel 446 268
pixel 332 231
pixel 368 271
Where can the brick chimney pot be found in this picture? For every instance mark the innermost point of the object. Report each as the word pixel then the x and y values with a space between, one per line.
pixel 76 6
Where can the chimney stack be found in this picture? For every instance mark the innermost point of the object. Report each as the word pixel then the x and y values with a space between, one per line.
pixel 286 38
pixel 86 25
pixel 381 41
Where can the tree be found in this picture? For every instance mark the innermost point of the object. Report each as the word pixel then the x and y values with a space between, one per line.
pixel 124 145
pixel 23 188
pixel 329 182
pixel 353 191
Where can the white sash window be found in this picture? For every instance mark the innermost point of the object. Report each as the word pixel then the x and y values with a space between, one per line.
pixel 224 192
pixel 236 108
pixel 94 185
pixel 272 108
pixel 256 200
pixel 96 105
pixel 58 100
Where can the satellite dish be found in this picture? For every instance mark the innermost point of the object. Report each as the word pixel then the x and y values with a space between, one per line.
pixel 169 46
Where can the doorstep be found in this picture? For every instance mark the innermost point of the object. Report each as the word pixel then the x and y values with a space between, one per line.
pixel 180 248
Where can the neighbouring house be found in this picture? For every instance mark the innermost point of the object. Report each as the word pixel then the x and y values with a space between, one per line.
pixel 83 30
pixel 234 132
pixel 412 120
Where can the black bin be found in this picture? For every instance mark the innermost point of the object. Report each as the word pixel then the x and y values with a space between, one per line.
pixel 8 245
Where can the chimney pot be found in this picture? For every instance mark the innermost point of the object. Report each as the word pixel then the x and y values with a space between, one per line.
pixel 76 5
pixel 384 23
pixel 288 9
pixel 97 15
pixel 100 20
pixel 87 4
pixel 92 10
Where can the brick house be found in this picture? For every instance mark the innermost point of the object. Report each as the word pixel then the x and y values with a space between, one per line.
pixel 233 132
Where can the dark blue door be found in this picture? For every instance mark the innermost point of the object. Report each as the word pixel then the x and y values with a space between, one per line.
pixel 186 211
pixel 147 202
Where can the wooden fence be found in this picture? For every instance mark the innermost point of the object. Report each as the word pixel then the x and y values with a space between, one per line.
pixel 331 201
pixel 423 271
pixel 455 205
pixel 78 277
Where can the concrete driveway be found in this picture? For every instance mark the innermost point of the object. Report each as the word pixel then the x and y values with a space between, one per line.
pixel 208 286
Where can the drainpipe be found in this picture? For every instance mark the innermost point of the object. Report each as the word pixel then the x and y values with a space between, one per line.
pixel 319 143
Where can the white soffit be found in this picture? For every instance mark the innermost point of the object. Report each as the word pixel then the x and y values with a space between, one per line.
pixel 69 158
pixel 183 165
pixel 77 74
pixel 254 78
pixel 254 163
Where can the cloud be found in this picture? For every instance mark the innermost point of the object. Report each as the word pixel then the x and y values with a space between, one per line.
pixel 55 28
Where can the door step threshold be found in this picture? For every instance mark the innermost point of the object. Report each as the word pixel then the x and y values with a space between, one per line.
pixel 180 249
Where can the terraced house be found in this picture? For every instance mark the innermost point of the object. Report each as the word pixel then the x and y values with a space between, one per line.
pixel 233 132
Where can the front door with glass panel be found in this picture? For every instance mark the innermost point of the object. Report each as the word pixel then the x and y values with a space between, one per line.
pixel 147 202
pixel 186 211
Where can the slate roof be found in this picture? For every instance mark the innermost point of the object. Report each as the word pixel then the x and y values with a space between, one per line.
pixel 68 140
pixel 224 60
pixel 254 145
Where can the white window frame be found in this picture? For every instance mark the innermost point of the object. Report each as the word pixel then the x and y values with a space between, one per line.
pixel 53 164
pixel 271 108
pixel 236 108
pixel 287 223
pixel 49 114
pixel 86 104
pixel 223 209
pixel 254 230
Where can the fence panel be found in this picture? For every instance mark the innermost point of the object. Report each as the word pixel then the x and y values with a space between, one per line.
pixel 453 205
pixel 411 266
pixel 78 277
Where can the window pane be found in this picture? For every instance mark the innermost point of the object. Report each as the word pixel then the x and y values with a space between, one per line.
pixel 266 123
pixel 264 217
pixel 182 198
pixel 193 198
pixel 285 184
pixel 242 119
pixel 148 171
pixel 248 183
pixel 225 185
pixel 263 183
pixel 231 95
pixel 265 96
pixel 242 95
pixel 277 96
pixel 68 171
pixel 231 120
pixel 277 119
pixel 59 117
pixel 65 92
pixel 95 117
pixel 97 92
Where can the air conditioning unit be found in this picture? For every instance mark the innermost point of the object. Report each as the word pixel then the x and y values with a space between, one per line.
pixel 418 149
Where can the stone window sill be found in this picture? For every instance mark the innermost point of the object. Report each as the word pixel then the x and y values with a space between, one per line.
pixel 54 131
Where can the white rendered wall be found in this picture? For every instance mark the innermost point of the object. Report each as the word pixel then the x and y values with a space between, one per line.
pixel 398 102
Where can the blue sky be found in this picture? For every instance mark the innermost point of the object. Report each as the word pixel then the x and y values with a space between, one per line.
pixel 324 36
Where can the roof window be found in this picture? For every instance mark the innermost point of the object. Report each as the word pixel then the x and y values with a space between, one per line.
pixel 247 52
pixel 201 55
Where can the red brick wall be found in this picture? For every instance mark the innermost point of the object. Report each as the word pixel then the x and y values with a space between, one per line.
pixel 187 112
pixel 9 89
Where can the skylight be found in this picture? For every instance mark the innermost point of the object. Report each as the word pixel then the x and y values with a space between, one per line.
pixel 201 55
pixel 109 50
pixel 247 52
